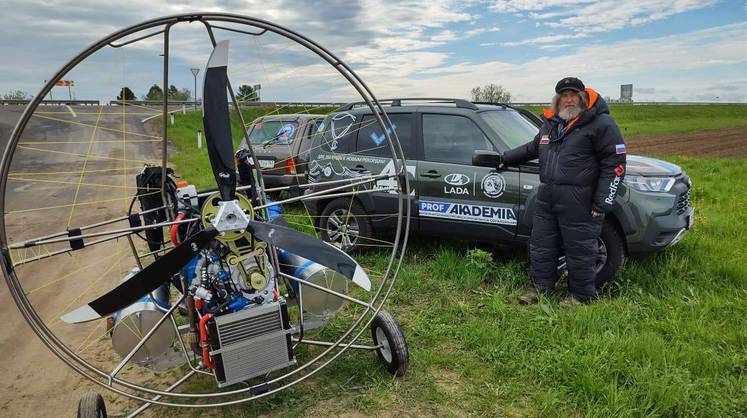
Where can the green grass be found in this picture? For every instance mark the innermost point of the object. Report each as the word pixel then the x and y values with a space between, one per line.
pixel 663 119
pixel 669 339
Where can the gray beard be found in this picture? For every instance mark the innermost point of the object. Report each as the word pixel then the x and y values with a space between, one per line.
pixel 569 113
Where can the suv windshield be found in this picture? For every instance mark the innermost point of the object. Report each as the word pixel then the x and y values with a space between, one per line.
pixel 280 132
pixel 510 126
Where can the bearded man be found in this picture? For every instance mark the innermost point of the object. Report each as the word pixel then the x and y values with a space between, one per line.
pixel 582 160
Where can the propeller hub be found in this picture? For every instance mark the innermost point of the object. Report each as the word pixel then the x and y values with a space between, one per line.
pixel 230 217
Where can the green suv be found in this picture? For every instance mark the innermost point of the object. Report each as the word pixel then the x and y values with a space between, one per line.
pixel 455 196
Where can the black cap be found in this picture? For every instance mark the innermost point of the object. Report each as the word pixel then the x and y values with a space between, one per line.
pixel 569 83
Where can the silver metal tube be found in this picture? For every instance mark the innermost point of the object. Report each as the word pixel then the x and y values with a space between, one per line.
pixel 96 225
pixel 329 344
pixel 66 250
pixel 164 148
pixel 134 252
pixel 162 250
pixel 325 183
pixel 322 192
pixel 100 234
pixel 324 289
pixel 350 193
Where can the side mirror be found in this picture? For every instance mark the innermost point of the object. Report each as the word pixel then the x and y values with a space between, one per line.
pixel 485 158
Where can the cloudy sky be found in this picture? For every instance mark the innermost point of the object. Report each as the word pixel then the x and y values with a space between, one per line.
pixel 670 50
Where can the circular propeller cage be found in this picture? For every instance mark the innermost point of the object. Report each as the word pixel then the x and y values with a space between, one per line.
pixel 76 347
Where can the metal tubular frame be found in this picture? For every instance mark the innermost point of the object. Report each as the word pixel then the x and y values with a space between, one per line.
pixel 279 383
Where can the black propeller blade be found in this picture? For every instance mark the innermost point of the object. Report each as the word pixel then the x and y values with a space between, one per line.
pixel 311 248
pixel 217 122
pixel 144 282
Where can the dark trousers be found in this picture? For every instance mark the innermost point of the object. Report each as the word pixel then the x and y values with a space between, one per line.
pixel 562 224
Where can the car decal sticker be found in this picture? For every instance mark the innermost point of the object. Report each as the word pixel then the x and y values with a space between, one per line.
pixel 378 139
pixel 493 185
pixel 465 212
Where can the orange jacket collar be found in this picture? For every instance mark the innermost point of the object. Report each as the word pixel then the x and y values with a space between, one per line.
pixel 593 97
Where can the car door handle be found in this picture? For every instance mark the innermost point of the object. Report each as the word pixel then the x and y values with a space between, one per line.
pixel 359 168
pixel 433 174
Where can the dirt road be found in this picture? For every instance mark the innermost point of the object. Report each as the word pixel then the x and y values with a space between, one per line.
pixel 73 167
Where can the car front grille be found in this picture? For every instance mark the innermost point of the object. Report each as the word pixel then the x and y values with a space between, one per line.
pixel 683 203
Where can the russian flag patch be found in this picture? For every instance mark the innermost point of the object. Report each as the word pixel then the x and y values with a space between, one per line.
pixel 545 140
pixel 620 149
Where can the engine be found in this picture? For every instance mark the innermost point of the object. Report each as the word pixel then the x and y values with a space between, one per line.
pixel 244 325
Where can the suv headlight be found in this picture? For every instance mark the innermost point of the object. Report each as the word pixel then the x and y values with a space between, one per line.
pixel 649 184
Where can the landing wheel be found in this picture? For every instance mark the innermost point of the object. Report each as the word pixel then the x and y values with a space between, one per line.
pixel 91 405
pixel 393 351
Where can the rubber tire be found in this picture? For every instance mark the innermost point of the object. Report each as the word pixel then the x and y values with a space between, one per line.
pixel 91 405
pixel 615 243
pixel 395 338
pixel 365 230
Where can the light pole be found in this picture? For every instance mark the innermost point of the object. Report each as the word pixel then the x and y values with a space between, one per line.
pixel 195 71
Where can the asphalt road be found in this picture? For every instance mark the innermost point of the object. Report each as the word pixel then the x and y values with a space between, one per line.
pixel 73 167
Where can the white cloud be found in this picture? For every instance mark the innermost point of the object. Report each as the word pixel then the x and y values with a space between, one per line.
pixel 547 39
pixel 555 46
pixel 506 6
pixel 389 44
pixel 598 16
pixel 601 66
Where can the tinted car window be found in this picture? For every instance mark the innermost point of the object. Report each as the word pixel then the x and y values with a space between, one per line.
pixel 452 139
pixel 280 132
pixel 372 141
pixel 335 134
pixel 510 126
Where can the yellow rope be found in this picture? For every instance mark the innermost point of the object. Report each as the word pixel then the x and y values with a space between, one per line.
pixel 83 170
pixel 96 157
pixel 95 202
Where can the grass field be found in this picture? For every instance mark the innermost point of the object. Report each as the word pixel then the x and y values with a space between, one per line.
pixel 669 339
pixel 664 119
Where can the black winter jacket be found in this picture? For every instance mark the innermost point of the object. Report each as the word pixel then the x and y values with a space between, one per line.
pixel 590 153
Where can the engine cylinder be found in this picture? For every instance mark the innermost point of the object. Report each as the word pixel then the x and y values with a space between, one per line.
pixel 315 302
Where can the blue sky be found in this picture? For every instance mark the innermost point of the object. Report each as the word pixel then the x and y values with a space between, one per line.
pixel 682 50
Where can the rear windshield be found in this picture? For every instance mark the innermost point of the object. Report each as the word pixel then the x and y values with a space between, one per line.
pixel 510 126
pixel 274 132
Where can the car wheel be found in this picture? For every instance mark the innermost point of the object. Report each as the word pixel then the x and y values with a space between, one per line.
pixel 345 224
pixel 610 255
pixel 91 405
pixel 612 243
pixel 392 352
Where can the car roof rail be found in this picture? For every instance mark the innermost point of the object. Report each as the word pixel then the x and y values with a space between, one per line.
pixel 397 102
pixel 503 105
pixel 534 118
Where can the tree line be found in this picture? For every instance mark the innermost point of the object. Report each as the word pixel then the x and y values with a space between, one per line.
pixel 245 93
pixel 491 92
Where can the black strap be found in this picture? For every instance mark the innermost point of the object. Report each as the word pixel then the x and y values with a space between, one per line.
pixel 75 244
